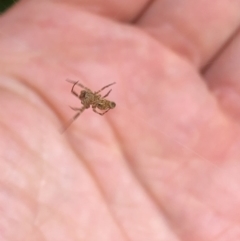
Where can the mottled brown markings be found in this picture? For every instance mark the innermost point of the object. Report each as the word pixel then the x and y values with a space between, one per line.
pixel 90 99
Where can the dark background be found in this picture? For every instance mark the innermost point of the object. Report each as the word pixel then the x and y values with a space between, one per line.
pixel 5 4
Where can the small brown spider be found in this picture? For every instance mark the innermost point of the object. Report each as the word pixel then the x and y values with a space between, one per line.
pixel 89 98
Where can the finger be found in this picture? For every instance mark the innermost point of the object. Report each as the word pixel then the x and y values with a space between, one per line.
pixel 123 10
pixel 223 77
pixel 194 29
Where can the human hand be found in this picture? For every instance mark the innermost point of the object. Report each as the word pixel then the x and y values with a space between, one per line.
pixel 163 165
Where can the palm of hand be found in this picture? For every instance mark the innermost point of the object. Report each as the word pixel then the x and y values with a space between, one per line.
pixel 163 165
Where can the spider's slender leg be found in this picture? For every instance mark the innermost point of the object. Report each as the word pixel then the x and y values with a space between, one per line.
pixel 107 93
pixel 73 119
pixel 104 88
pixel 75 108
pixel 79 84
pixel 101 113
pixel 71 81
pixel 76 83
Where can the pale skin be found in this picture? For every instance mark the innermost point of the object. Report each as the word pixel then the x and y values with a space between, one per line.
pixel 164 164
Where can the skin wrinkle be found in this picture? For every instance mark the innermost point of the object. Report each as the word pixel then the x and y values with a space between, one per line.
pixel 142 11
pixel 220 51
pixel 152 198
pixel 151 194
pixel 22 143
pixel 115 12
pixel 202 204
pixel 101 191
pixel 43 98
pixel 135 176
pixel 11 189
pixel 144 185
pixel 34 95
pixel 31 150
pixel 192 195
pixel 64 216
pixel 124 154
pixel 191 150
pixel 104 197
pixel 30 104
pixel 210 207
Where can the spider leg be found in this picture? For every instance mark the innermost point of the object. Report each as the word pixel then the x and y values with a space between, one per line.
pixel 107 93
pixel 81 85
pixel 104 87
pixel 75 108
pixel 73 119
pixel 76 83
pixel 101 113
pixel 71 81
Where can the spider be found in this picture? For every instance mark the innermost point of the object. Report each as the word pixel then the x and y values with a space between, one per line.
pixel 89 98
